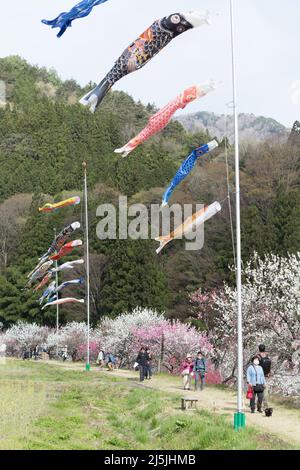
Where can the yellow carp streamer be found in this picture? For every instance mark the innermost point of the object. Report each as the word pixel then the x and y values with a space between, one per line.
pixel 72 201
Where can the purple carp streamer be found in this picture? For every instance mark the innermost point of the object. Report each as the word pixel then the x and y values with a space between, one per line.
pixel 64 20
pixel 143 49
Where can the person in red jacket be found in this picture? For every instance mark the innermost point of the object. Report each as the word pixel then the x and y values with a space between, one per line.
pixel 186 370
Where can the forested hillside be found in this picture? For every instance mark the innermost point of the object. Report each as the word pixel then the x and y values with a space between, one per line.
pixel 44 138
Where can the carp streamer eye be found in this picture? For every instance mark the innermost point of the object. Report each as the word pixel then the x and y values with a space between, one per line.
pixel 175 19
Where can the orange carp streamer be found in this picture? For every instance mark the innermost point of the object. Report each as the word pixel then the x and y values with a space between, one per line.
pixel 190 224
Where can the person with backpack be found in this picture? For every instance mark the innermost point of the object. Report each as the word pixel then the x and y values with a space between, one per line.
pixel 199 371
pixel 256 379
pixel 266 363
pixel 110 362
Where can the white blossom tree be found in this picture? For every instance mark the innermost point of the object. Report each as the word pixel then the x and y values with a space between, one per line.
pixel 74 336
pixel 24 336
pixel 271 314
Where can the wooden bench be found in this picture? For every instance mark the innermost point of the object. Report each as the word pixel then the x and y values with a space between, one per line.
pixel 188 403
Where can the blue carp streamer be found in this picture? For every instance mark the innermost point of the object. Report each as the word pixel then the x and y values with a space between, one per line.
pixel 187 167
pixel 70 283
pixel 64 20
pixel 48 292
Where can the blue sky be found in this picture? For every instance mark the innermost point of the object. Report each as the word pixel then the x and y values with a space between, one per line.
pixel 268 40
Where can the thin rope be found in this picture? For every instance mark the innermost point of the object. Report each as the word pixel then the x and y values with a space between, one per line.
pixel 228 194
pixel 223 200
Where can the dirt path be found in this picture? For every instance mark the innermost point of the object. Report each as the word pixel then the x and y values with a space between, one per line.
pixel 285 423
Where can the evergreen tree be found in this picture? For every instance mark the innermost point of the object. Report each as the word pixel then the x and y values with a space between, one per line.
pixel 134 278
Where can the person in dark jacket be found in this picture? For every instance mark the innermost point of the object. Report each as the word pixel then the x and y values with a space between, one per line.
pixel 149 365
pixel 199 371
pixel 266 364
pixel 142 360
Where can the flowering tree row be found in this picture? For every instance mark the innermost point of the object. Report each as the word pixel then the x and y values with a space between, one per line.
pixel 271 315
pixel 169 341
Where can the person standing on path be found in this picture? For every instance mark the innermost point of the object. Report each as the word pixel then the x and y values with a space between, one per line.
pixel 199 370
pixel 65 353
pixel 256 378
pixel 149 365
pixel 186 370
pixel 100 358
pixel 143 363
pixel 266 364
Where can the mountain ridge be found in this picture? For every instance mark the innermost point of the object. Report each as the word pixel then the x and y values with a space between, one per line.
pixel 252 127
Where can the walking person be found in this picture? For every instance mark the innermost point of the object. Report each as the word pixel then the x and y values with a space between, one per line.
pixel 45 354
pixel 142 362
pixel 100 358
pixel 110 361
pixel 186 370
pixel 65 353
pixel 117 362
pixel 199 370
pixel 266 364
pixel 256 378
pixel 149 364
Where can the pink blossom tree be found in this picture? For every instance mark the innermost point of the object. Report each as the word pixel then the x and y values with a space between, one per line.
pixel 118 335
pixel 171 342
pixel 81 351
pixel 271 314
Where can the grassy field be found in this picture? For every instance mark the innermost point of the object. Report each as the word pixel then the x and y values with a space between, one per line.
pixel 46 407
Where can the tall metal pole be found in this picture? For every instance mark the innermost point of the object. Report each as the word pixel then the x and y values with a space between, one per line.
pixel 87 366
pixel 239 417
pixel 57 306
